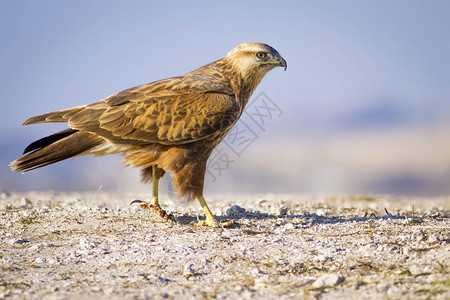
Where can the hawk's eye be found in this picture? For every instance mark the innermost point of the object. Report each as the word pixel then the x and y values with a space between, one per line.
pixel 260 55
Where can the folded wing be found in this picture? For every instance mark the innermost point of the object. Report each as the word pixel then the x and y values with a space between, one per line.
pixel 172 111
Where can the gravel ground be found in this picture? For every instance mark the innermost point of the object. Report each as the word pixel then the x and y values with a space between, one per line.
pixel 79 245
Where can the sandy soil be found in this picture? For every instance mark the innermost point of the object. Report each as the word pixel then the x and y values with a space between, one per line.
pixel 63 246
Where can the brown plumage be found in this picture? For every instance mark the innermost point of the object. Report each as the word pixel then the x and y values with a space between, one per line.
pixel 169 125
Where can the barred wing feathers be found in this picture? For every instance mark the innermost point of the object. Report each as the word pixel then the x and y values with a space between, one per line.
pixel 171 111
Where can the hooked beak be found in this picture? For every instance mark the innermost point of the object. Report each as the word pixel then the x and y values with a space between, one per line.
pixel 279 62
pixel 282 62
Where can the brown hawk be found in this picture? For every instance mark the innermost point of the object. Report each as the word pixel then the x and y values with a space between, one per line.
pixel 168 125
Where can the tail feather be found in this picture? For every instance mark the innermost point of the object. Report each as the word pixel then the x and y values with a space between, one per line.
pixel 41 143
pixel 56 147
pixel 56 116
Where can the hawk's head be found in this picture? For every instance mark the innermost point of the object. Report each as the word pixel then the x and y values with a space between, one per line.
pixel 251 58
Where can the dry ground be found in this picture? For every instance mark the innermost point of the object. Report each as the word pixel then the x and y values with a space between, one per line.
pixel 63 246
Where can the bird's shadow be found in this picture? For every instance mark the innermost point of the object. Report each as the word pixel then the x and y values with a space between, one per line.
pixel 309 218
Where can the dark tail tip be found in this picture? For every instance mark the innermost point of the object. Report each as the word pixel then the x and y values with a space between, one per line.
pixel 48 140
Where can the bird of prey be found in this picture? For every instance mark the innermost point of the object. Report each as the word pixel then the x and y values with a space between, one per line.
pixel 171 125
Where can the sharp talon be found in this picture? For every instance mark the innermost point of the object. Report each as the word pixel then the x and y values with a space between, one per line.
pixel 202 223
pixel 136 201
pixel 156 209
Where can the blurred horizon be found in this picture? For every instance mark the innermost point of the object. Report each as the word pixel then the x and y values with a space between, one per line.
pixel 363 107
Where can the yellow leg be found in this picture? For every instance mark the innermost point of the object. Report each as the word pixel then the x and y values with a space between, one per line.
pixel 155 189
pixel 210 221
pixel 154 206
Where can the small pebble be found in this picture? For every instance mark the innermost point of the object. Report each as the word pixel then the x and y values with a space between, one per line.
pixel 256 271
pixel 40 260
pixel 188 271
pixel 34 248
pixel 280 210
pixel 96 288
pixel 18 241
pixel 407 250
pixel 328 280
pixel 433 238
pixel 25 202
pixel 383 286
pixel 280 230
pixel 323 258
pixel 289 226
pixel 322 212
pixel 235 210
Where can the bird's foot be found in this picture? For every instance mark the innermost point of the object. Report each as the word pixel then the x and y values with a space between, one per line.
pixel 156 209
pixel 215 224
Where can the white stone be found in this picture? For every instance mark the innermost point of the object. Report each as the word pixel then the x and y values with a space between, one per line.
pixel 188 271
pixel 289 226
pixel 256 271
pixel 280 210
pixel 323 258
pixel 322 212
pixel 328 280
pixel 40 260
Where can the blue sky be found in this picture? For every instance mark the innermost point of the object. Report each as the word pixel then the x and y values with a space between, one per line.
pixel 345 57
pixel 58 54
